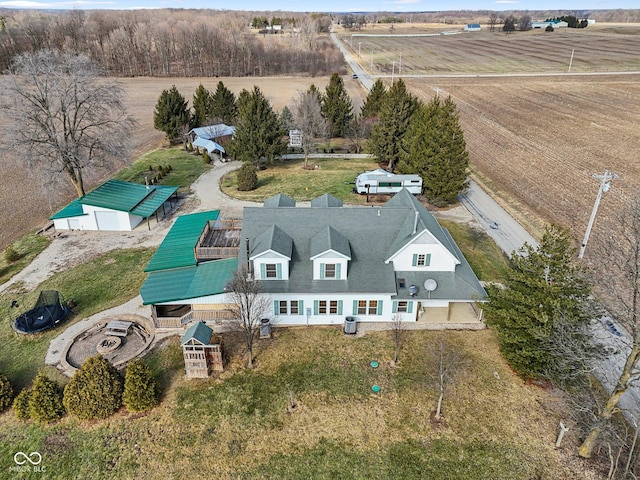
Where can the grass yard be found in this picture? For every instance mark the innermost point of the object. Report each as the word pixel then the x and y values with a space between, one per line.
pixel 486 259
pixel 333 176
pixel 28 247
pixel 237 425
pixel 186 168
pixel 108 281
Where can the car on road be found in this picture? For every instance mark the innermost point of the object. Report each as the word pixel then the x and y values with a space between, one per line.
pixel 612 328
pixel 494 225
pixel 355 75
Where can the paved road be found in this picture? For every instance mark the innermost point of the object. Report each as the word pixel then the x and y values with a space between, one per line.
pixel 508 234
pixel 363 76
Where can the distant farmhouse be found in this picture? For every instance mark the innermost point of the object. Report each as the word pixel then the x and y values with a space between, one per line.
pixel 115 206
pixel 212 138
pixel 472 27
pixel 318 264
pixel 554 24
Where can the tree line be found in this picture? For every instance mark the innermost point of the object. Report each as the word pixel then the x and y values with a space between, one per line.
pixel 401 132
pixel 179 43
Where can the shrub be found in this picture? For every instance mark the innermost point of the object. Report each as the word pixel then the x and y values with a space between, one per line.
pixel 6 393
pixel 150 168
pixel 95 391
pixel 21 405
pixel 11 254
pixel 45 400
pixel 141 389
pixel 247 177
pixel 205 156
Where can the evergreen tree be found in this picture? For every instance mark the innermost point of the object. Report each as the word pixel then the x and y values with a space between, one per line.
pixel 6 393
pixel 171 115
pixel 543 288
pixel 45 400
pixel 223 105
pixel 94 391
pixel 259 132
pixel 21 405
pixel 201 107
pixel 316 91
pixel 337 107
pixel 286 119
pixel 141 389
pixel 373 102
pixel 434 148
pixel 247 177
pixel 396 111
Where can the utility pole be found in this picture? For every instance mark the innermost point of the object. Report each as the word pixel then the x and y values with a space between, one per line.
pixel 604 187
pixel 571 60
pixel 359 43
pixel 371 67
pixel 393 70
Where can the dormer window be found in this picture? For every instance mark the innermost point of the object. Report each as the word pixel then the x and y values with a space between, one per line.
pixel 329 270
pixel 271 270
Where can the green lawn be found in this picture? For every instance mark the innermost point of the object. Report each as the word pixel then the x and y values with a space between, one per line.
pixel 333 175
pixel 237 425
pixel 107 281
pixel 28 247
pixel 486 259
pixel 186 168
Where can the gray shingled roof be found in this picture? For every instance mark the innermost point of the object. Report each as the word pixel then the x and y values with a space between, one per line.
pixel 329 239
pixel 326 201
pixel 279 200
pixel 273 238
pixel 372 234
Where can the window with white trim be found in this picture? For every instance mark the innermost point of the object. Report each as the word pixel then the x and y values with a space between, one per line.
pixel 367 307
pixel 402 307
pixel 288 307
pixel 271 270
pixel 330 270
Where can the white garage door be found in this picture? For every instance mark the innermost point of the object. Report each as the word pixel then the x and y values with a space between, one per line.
pixel 107 221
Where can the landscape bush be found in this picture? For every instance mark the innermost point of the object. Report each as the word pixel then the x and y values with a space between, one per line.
pixel 21 405
pixel 205 156
pixel 247 177
pixel 11 254
pixel 94 391
pixel 141 389
pixel 45 400
pixel 6 393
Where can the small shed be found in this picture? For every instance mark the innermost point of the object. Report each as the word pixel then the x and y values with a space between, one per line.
pixel 202 351
pixel 472 27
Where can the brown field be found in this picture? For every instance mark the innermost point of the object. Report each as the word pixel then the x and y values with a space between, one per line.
pixel 536 141
pixel 26 205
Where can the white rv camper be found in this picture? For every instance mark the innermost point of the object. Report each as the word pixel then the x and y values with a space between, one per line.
pixel 381 181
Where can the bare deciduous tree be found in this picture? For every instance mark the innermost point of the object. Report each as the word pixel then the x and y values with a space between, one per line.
pixel 618 286
pixel 307 114
pixel 397 334
pixel 248 306
pixel 66 120
pixel 444 361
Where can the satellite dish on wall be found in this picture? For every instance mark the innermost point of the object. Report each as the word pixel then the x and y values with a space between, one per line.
pixel 413 289
pixel 430 285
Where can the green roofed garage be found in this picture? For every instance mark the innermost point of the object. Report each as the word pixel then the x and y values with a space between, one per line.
pixel 116 206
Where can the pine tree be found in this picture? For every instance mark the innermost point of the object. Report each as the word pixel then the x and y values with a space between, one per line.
pixel 171 115
pixel 94 391
pixel 543 287
pixel 223 105
pixel 201 107
pixel 434 148
pixel 259 132
pixel 396 111
pixel 373 102
pixel 141 389
pixel 247 177
pixel 337 107
pixel 286 119
pixel 45 400
pixel 21 405
pixel 6 393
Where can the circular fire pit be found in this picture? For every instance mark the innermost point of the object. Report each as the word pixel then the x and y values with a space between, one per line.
pixel 108 344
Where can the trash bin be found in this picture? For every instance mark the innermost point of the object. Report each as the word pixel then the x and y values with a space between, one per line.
pixel 350 326
pixel 265 328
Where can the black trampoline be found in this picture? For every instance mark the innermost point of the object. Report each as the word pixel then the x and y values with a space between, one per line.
pixel 48 311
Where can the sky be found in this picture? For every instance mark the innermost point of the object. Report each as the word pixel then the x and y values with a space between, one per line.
pixel 327 5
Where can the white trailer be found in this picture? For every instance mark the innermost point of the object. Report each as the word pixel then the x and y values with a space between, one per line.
pixel 381 181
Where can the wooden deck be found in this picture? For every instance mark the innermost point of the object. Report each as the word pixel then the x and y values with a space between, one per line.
pixel 219 240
